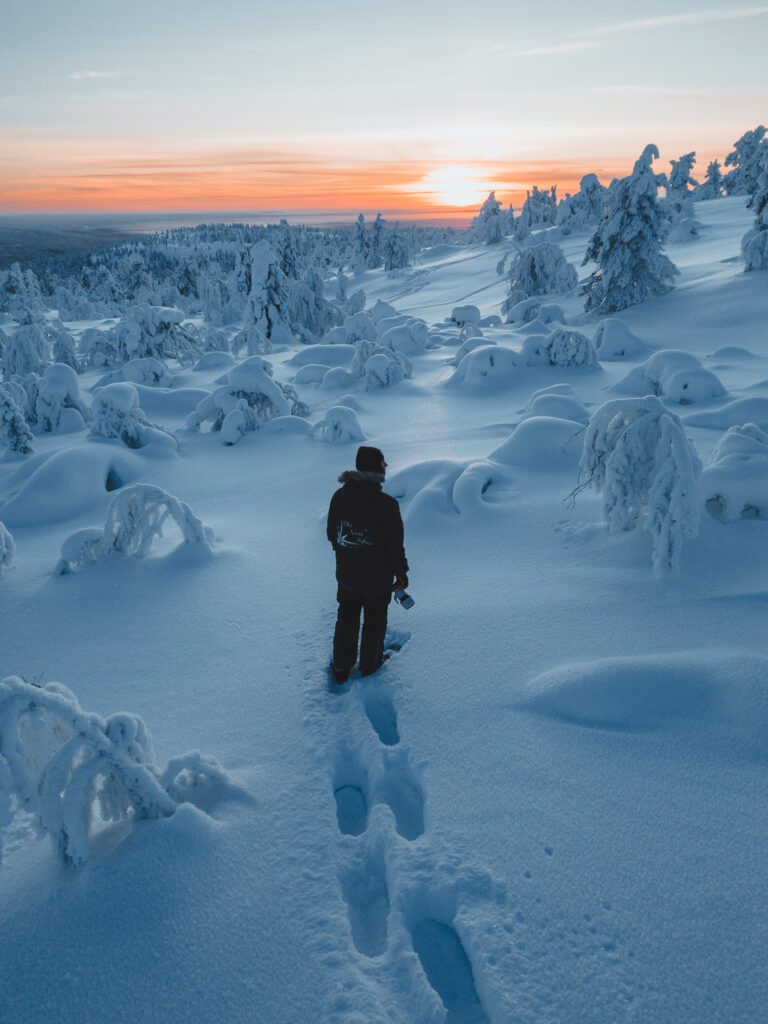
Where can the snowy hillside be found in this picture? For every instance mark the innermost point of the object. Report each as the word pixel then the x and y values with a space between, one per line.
pixel 550 804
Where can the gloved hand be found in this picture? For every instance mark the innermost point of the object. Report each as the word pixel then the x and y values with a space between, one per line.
pixel 401 583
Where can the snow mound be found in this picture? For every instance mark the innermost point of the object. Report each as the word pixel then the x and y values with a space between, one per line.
pixel 735 484
pixel 410 338
pixel 468 346
pixel 614 341
pixel 311 373
pixel 464 315
pixel 213 361
pixel 329 355
pixel 561 406
pixel 149 370
pixel 733 352
pixel 488 366
pixel 447 487
pixel 742 410
pixel 338 426
pixel 716 693
pixel 542 443
pixel 69 483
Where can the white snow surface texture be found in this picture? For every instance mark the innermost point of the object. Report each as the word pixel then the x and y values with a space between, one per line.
pixel 549 807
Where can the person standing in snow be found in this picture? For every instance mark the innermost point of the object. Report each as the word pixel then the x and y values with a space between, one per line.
pixel 366 531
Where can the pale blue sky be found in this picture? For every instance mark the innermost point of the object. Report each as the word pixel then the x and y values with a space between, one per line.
pixel 114 84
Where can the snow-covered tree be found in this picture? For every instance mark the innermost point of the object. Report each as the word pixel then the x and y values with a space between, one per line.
pixel 585 208
pixel 376 244
pixel 379 367
pixel 249 399
pixel 627 246
pixel 266 308
pixel 735 483
pixel 7 552
pixel 98 348
pixel 539 209
pixel 64 350
pixel 713 184
pixel 15 434
pixel 563 347
pixel 71 769
pixel 59 390
pixel 359 246
pixel 636 453
pixel 754 245
pixel 745 159
pixel 397 254
pixel 491 224
pixel 541 270
pixel 27 350
pixel 679 198
pixel 135 519
pixel 309 312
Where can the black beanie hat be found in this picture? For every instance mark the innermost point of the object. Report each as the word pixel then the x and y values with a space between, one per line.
pixel 369 460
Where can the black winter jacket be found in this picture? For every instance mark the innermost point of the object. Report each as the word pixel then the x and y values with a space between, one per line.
pixel 366 531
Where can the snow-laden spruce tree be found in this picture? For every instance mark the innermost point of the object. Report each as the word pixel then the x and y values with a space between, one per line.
pixel 679 198
pixel 541 270
pixel 539 209
pixel 491 223
pixel 627 246
pixel 309 312
pixel 745 161
pixel 376 244
pixel 397 254
pixel 59 390
pixel 64 351
pixel 7 552
pixel 135 519
pixel 15 434
pixel 360 246
pixel 118 416
pixel 585 208
pixel 636 453
pixel 27 350
pixel 713 184
pixel 338 426
pixel 754 245
pixel 76 772
pixel 266 307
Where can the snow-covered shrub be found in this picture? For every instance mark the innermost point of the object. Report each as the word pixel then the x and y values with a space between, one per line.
pixel 469 346
pixel 461 315
pixel 215 360
pixel 311 373
pixel 379 367
pixel 396 251
pixel 98 348
pixel 59 406
pixel 117 415
pixel 338 426
pixel 249 398
pixel 585 208
pixel 15 434
pixel 410 337
pixel 563 347
pixel 541 270
pixel 381 311
pixel 149 371
pixel 614 341
pixel 135 519
pixel 26 351
pixel 64 351
pixel 679 199
pixel 754 245
pixel 154 331
pixel 489 366
pixel 78 772
pixel 359 327
pixel 309 312
pixel 636 454
pixel 542 444
pixel 520 311
pixel 491 223
pixel 675 375
pixel 735 483
pixel 626 247
pixel 7 551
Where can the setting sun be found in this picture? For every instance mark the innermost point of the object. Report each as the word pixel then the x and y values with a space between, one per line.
pixel 458 185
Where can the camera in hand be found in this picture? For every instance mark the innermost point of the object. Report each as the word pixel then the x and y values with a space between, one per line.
pixel 404 599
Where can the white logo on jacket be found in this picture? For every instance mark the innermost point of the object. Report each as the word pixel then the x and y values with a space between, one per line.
pixel 347 536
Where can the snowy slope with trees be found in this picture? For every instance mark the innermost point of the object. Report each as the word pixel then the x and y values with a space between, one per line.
pixel 549 805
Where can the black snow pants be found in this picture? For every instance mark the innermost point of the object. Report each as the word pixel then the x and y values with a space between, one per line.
pixel 374 610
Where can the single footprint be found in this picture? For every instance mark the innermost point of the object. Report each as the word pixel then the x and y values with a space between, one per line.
pixel 351 810
pixel 401 790
pixel 380 709
pixel 367 898
pixel 448 971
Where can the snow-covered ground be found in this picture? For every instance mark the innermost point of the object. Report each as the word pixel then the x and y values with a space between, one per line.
pixel 549 807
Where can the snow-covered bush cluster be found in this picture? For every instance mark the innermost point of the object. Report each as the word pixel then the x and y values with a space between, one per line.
pixel 675 375
pixel 378 366
pixel 735 483
pixel 636 454
pixel 79 774
pixel 58 406
pixel 541 270
pixel 135 519
pixel 117 415
pixel 248 399
pixel 338 426
pixel 584 209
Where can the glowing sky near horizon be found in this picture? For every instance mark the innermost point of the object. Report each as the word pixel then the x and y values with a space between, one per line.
pixel 244 105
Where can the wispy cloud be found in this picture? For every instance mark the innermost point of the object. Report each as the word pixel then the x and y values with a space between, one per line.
pixel 590 38
pixel 79 75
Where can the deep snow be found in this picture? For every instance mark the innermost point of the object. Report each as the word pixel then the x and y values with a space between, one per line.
pixel 550 807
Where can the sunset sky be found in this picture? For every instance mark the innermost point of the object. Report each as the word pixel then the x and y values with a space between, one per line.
pixel 410 106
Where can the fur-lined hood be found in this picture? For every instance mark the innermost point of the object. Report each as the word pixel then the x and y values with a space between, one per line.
pixel 359 476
